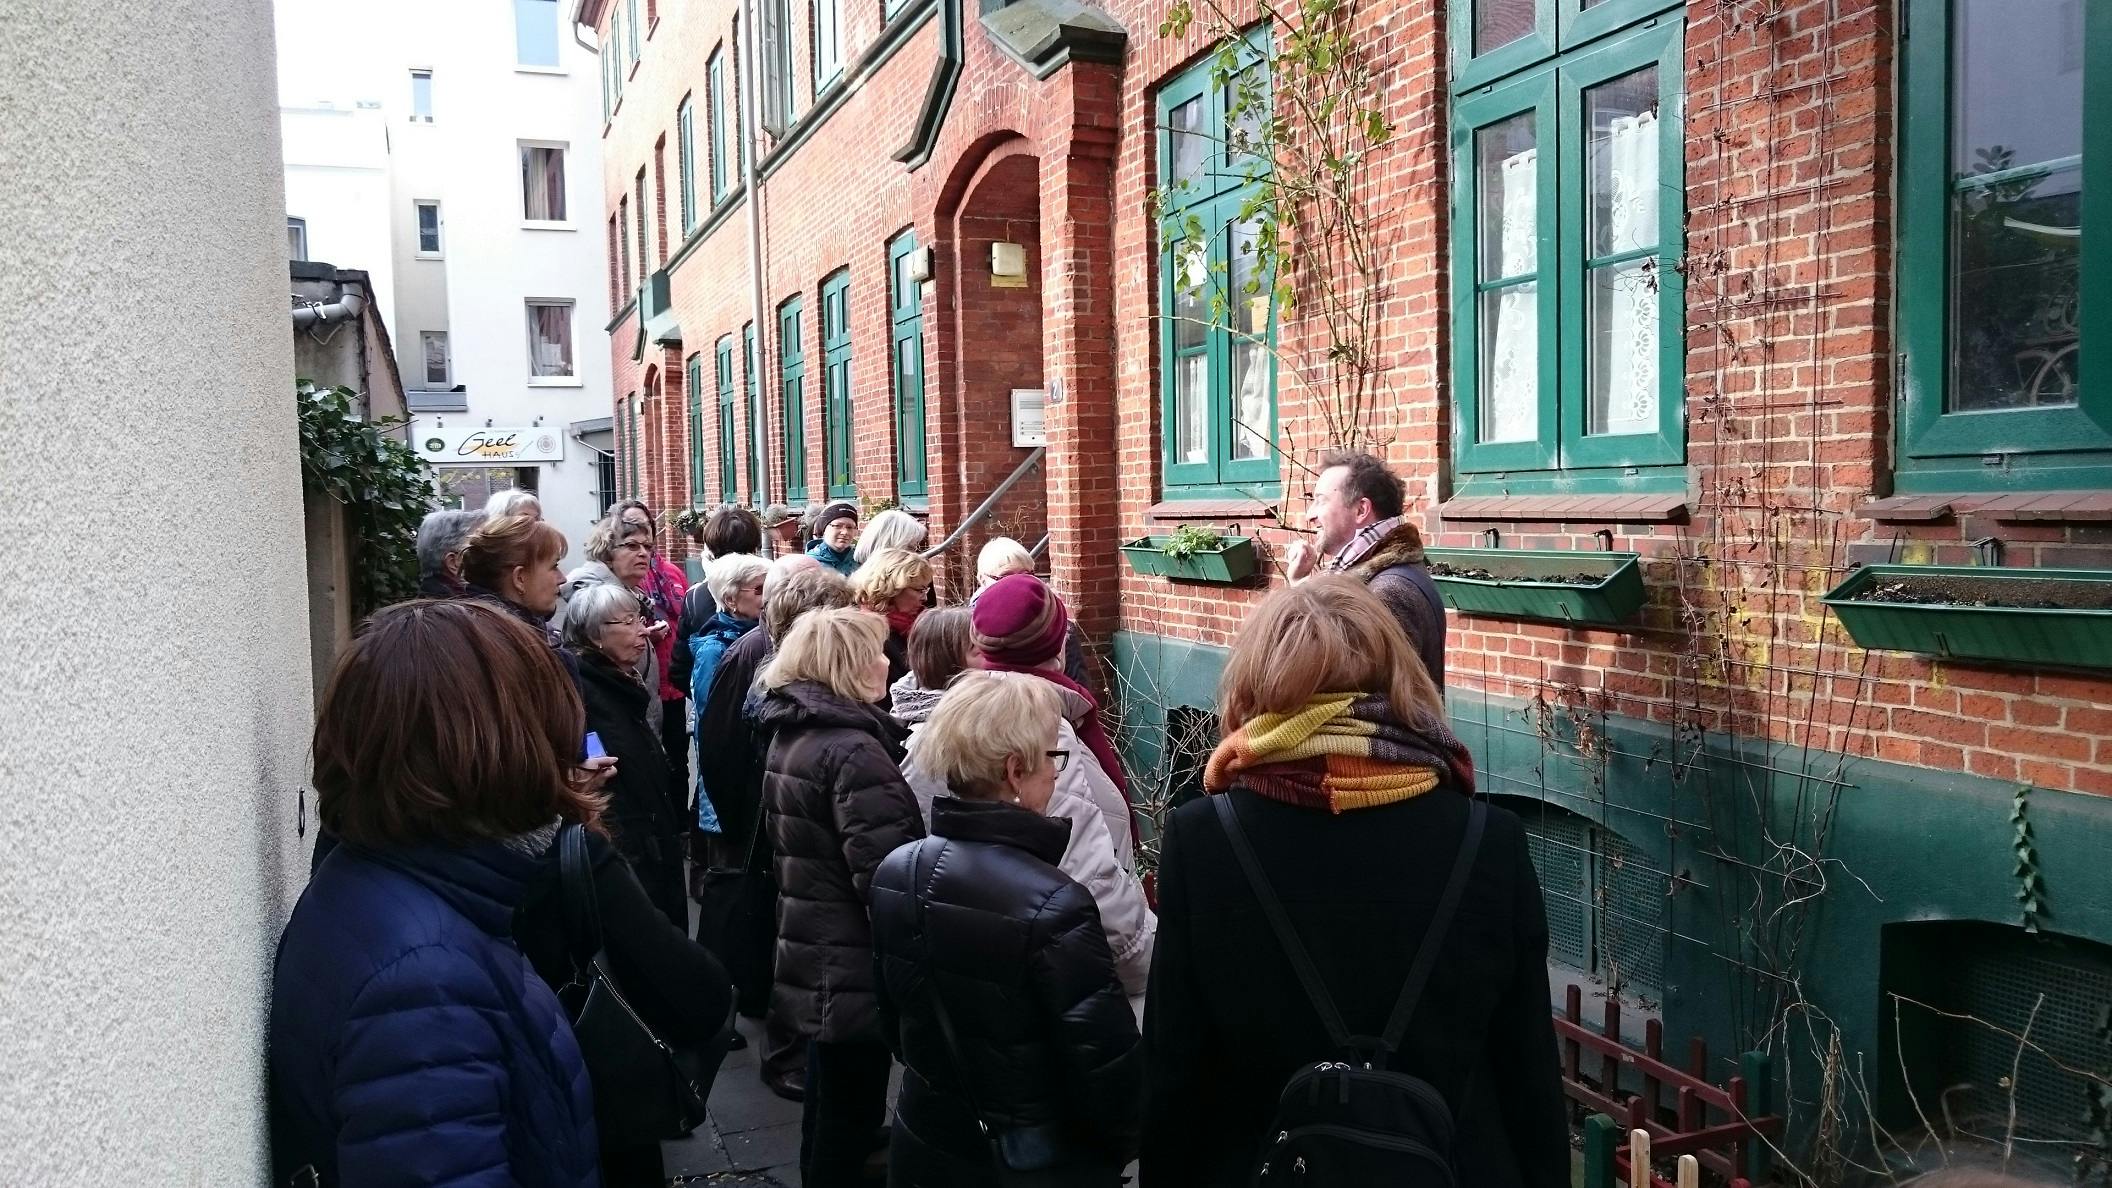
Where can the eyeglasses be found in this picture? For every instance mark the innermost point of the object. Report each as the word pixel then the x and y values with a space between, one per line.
pixel 626 621
pixel 639 545
pixel 1061 759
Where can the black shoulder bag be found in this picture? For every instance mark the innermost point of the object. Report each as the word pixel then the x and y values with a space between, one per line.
pixel 737 919
pixel 1022 1156
pixel 643 1090
pixel 1351 1120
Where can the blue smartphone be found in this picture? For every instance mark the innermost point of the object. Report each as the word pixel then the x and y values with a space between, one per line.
pixel 594 750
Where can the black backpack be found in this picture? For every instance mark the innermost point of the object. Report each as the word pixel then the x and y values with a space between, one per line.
pixel 1350 1120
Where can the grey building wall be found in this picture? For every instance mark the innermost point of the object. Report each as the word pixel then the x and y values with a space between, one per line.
pixel 154 696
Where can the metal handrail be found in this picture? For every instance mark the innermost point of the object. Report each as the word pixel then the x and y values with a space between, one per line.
pixel 1040 546
pixel 976 517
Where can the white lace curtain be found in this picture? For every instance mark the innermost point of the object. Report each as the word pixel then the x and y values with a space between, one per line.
pixel 1624 395
pixel 550 340
pixel 1511 401
pixel 543 184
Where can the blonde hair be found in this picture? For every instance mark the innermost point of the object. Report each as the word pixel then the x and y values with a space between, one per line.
pixel 890 572
pixel 891 529
pixel 832 648
pixel 1324 635
pixel 1002 557
pixel 983 719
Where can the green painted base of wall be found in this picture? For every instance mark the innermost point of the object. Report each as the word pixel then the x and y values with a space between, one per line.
pixel 1730 835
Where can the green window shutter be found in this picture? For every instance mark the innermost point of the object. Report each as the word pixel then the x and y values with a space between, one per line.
pixel 792 388
pixel 693 374
pixel 1216 292
pixel 757 496
pixel 837 425
pixel 2001 277
pixel 906 353
pixel 686 158
pixel 715 82
pixel 728 489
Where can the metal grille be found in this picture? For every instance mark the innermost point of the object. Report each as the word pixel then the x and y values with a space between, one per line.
pixel 1631 915
pixel 2001 982
pixel 1560 844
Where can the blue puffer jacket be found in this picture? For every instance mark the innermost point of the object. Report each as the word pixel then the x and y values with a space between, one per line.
pixel 721 631
pixel 411 1043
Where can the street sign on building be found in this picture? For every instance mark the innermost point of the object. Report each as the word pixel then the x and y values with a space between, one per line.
pixel 489 447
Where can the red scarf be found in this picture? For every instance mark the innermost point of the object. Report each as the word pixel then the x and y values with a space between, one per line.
pixel 1090 732
pixel 900 622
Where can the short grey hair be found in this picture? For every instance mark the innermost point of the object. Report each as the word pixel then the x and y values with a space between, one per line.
pixel 509 503
pixel 891 529
pixel 1002 557
pixel 725 576
pixel 610 532
pixel 590 607
pixel 443 532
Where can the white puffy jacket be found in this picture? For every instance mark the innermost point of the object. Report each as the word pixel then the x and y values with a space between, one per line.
pixel 1099 858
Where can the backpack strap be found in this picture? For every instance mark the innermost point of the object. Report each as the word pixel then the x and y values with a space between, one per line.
pixel 576 893
pixel 1308 976
pixel 1440 924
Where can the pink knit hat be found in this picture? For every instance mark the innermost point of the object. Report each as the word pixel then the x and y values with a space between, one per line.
pixel 1018 620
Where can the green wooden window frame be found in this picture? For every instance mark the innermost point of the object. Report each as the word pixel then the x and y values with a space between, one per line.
pixel 827 39
pixel 1197 253
pixel 2055 447
pixel 792 393
pixel 715 83
pixel 686 162
pixel 905 316
pixel 756 492
pixel 836 422
pixel 1562 456
pixel 693 374
pixel 723 358
pixel 637 32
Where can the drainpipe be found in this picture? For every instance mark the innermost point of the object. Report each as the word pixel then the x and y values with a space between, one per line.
pixel 758 433
pixel 314 313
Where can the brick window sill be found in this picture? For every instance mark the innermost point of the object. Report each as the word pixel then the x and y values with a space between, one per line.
pixel 1211 509
pixel 2036 506
pixel 1568 509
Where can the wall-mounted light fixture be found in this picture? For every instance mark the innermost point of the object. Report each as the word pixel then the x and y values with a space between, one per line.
pixel 1008 266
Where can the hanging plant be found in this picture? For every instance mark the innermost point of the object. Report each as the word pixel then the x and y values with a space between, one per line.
pixel 385 487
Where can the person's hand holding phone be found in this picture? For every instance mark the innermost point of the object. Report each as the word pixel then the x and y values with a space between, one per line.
pixel 600 766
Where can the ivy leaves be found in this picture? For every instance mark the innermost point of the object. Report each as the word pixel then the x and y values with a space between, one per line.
pixel 2031 886
pixel 382 482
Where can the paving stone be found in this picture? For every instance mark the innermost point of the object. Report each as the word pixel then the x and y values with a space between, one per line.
pixel 773 1149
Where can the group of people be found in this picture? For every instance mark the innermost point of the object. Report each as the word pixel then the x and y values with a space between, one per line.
pixel 905 837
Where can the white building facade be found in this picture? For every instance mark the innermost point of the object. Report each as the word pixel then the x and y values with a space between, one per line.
pixel 455 148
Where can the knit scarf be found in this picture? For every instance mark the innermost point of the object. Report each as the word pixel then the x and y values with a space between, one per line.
pixel 1341 751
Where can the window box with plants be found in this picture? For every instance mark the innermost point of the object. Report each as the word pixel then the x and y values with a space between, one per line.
pixel 1559 585
pixel 2041 617
pixel 1193 554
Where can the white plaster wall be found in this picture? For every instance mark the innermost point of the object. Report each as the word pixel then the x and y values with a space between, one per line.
pixel 153 620
pixel 337 178
pixel 484 105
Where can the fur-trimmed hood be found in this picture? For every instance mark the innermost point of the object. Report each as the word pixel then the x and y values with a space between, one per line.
pixel 1402 546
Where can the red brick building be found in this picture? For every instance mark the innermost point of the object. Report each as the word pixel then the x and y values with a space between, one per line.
pixel 1756 291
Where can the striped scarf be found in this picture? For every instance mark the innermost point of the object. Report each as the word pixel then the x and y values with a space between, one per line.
pixel 1341 751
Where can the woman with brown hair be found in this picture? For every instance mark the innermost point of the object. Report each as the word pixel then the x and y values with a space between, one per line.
pixel 411 1042
pixel 835 805
pixel 1339 785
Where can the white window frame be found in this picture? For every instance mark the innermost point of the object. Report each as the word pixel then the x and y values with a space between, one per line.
pixel 439 247
pixel 565 148
pixel 425 360
pixel 296 226
pixel 557 23
pixel 528 329
pixel 418 72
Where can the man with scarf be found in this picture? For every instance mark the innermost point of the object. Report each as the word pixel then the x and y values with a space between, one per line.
pixel 1019 626
pixel 1356 511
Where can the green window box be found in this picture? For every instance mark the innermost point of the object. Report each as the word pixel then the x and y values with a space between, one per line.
pixel 1528 584
pixel 1231 561
pixel 2040 617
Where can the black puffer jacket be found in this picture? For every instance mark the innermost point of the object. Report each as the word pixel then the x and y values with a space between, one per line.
pixel 640 817
pixel 980 915
pixel 835 804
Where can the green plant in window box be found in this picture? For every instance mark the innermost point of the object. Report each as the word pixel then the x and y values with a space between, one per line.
pixel 1193 554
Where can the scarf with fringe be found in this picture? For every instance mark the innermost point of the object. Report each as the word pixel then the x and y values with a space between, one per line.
pixel 1341 751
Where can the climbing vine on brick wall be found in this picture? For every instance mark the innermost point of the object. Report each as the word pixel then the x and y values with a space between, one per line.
pixel 385 487
pixel 1309 121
